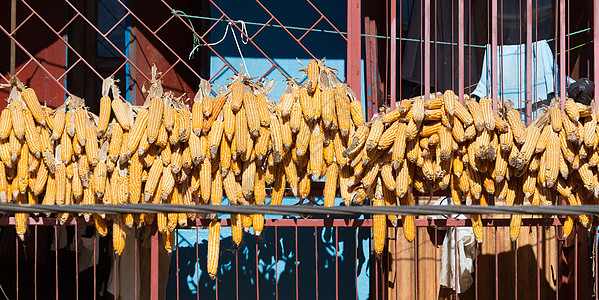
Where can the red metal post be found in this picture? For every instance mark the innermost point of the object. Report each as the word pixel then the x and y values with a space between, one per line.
pixel 461 50
pixel 354 46
pixel 529 58
pixel 154 264
pixel 494 56
pixel 562 50
pixel 427 49
pixel 596 49
pixel 393 54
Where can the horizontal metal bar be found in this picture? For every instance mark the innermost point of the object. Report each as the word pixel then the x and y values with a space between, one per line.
pixel 301 222
pixel 290 210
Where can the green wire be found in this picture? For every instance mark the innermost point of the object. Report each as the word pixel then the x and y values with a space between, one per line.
pixel 196 39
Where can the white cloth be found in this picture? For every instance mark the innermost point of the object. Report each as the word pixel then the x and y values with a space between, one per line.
pixel 466 246
pixel 511 73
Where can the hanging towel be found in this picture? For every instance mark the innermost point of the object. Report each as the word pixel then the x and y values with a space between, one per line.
pixel 511 77
pixel 466 251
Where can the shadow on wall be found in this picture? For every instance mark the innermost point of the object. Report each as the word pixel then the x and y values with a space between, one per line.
pixel 277 273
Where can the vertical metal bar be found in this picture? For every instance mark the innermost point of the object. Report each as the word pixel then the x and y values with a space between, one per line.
pixel 135 252
pixel 13 25
pixel 77 261
pixel 476 271
pixel 427 49
pixel 177 261
pixel 393 54
pixel 356 262
pixel 198 264
pixel 376 278
pixel 296 267
pixel 94 260
pixel 154 264
pixel 596 54
pixel 455 257
pixel 277 263
pixel 538 263
pixel 316 259
pixel 558 256
pixel 435 261
pixel 576 262
pixel 354 46
pixel 562 50
pixel 395 260
pixel 416 263
pixel 460 50
pixel 515 269
pixel 496 267
pixel 529 58
pixel 493 38
pixel 596 243
pixel 257 270
pixel 237 273
pixel 400 47
pixel 56 261
pixel 17 263
pixel 336 262
pixel 115 285
pixel 35 264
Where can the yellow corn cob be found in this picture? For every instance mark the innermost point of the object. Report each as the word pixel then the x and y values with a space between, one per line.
pixel 104 117
pixel 571 110
pixel 296 117
pixel 328 114
pixel 136 132
pixel 232 189
pixel 18 120
pixel 5 124
pixel 568 225
pixel 118 235
pixel 589 133
pixel 261 104
pixel 486 107
pixel 343 109
pixel 80 116
pixel 213 248
pixel 236 95
pixel 448 102
pixel 556 118
pixel 517 127
pixel 357 113
pixel 477 115
pixel 58 124
pixel 34 105
pixel 215 137
pixel 462 113
pixel 32 136
pixel 236 229
pixel 205 180
pixel 418 110
pixel 251 113
pixel 241 132
pixel 307 105
pixel 152 181
pixel 434 103
pixel 379 228
pixel 312 70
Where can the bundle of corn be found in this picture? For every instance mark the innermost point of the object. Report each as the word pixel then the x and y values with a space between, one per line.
pixel 239 143
pixel 440 143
